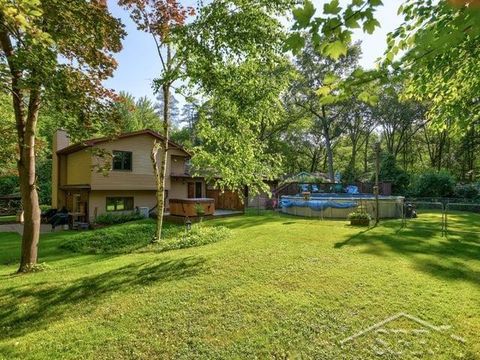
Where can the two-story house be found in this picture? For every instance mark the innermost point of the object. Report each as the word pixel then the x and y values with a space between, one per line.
pixel 111 175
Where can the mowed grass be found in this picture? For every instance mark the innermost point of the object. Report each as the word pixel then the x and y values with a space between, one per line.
pixel 280 287
pixel 8 219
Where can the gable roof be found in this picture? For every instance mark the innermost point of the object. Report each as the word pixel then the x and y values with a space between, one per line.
pixel 92 142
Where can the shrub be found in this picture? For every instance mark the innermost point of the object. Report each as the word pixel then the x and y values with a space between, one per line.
pixel 467 191
pixel 125 238
pixel 9 185
pixel 113 218
pixel 199 235
pixel 359 216
pixel 44 208
pixel 44 180
pixel 114 239
pixel 390 171
pixel 433 184
pixel 199 210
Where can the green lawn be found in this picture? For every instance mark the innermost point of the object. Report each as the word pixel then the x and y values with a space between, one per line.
pixel 281 287
pixel 8 219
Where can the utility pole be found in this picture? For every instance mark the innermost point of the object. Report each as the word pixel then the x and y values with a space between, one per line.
pixel 376 187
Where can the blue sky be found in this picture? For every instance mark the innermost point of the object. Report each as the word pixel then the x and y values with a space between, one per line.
pixel 138 62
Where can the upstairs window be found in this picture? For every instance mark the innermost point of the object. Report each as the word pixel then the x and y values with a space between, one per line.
pixel 122 160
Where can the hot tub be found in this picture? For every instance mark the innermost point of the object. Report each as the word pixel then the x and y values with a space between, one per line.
pixel 338 206
pixel 187 207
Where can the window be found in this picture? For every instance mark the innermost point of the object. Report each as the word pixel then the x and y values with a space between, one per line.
pixel 122 160
pixel 119 203
pixel 198 189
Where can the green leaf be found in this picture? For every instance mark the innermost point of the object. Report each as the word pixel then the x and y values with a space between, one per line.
pixel 295 42
pixel 335 49
pixel 332 8
pixel 370 25
pixel 303 15
pixel 328 99
pixel 352 23
pixel 35 13
pixel 358 73
pixel 330 78
pixel 376 2
pixel 358 2
pixel 351 18
pixel 323 91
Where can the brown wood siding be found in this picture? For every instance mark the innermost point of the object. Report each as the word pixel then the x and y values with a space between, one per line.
pixel 141 177
pixel 228 200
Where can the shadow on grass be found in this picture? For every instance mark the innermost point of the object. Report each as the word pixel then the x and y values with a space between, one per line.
pixel 422 243
pixel 267 217
pixel 49 251
pixel 251 220
pixel 26 308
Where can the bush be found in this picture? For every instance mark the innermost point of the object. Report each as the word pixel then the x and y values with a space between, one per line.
pixel 467 191
pixel 9 185
pixel 126 238
pixel 113 240
pixel 433 184
pixel 199 235
pixel 359 216
pixel 44 181
pixel 44 208
pixel 390 171
pixel 199 210
pixel 113 218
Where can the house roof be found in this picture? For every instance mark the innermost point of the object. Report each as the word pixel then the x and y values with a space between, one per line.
pixel 89 143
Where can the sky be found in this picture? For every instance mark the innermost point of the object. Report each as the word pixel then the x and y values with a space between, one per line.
pixel 138 62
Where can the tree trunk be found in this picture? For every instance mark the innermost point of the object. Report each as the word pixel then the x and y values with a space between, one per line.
pixel 353 160
pixel 365 158
pixel 160 171
pixel 328 146
pixel 26 127
pixel 313 164
pixel 28 189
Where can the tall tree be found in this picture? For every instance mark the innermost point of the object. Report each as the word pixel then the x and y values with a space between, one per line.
pixel 136 114
pixel 399 120
pixel 318 73
pixel 359 124
pixel 236 62
pixel 163 20
pixel 44 57
pixel 436 50
pixel 8 142
pixel 174 113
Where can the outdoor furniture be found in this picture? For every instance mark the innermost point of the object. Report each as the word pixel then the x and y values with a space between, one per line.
pixel 60 218
pixel 304 188
pixel 77 225
pixel 352 189
pixel 76 217
pixel 47 215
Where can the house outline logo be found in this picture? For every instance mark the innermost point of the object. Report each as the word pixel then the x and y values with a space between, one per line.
pixel 380 324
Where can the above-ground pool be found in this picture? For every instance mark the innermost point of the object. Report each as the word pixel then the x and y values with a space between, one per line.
pixel 340 205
